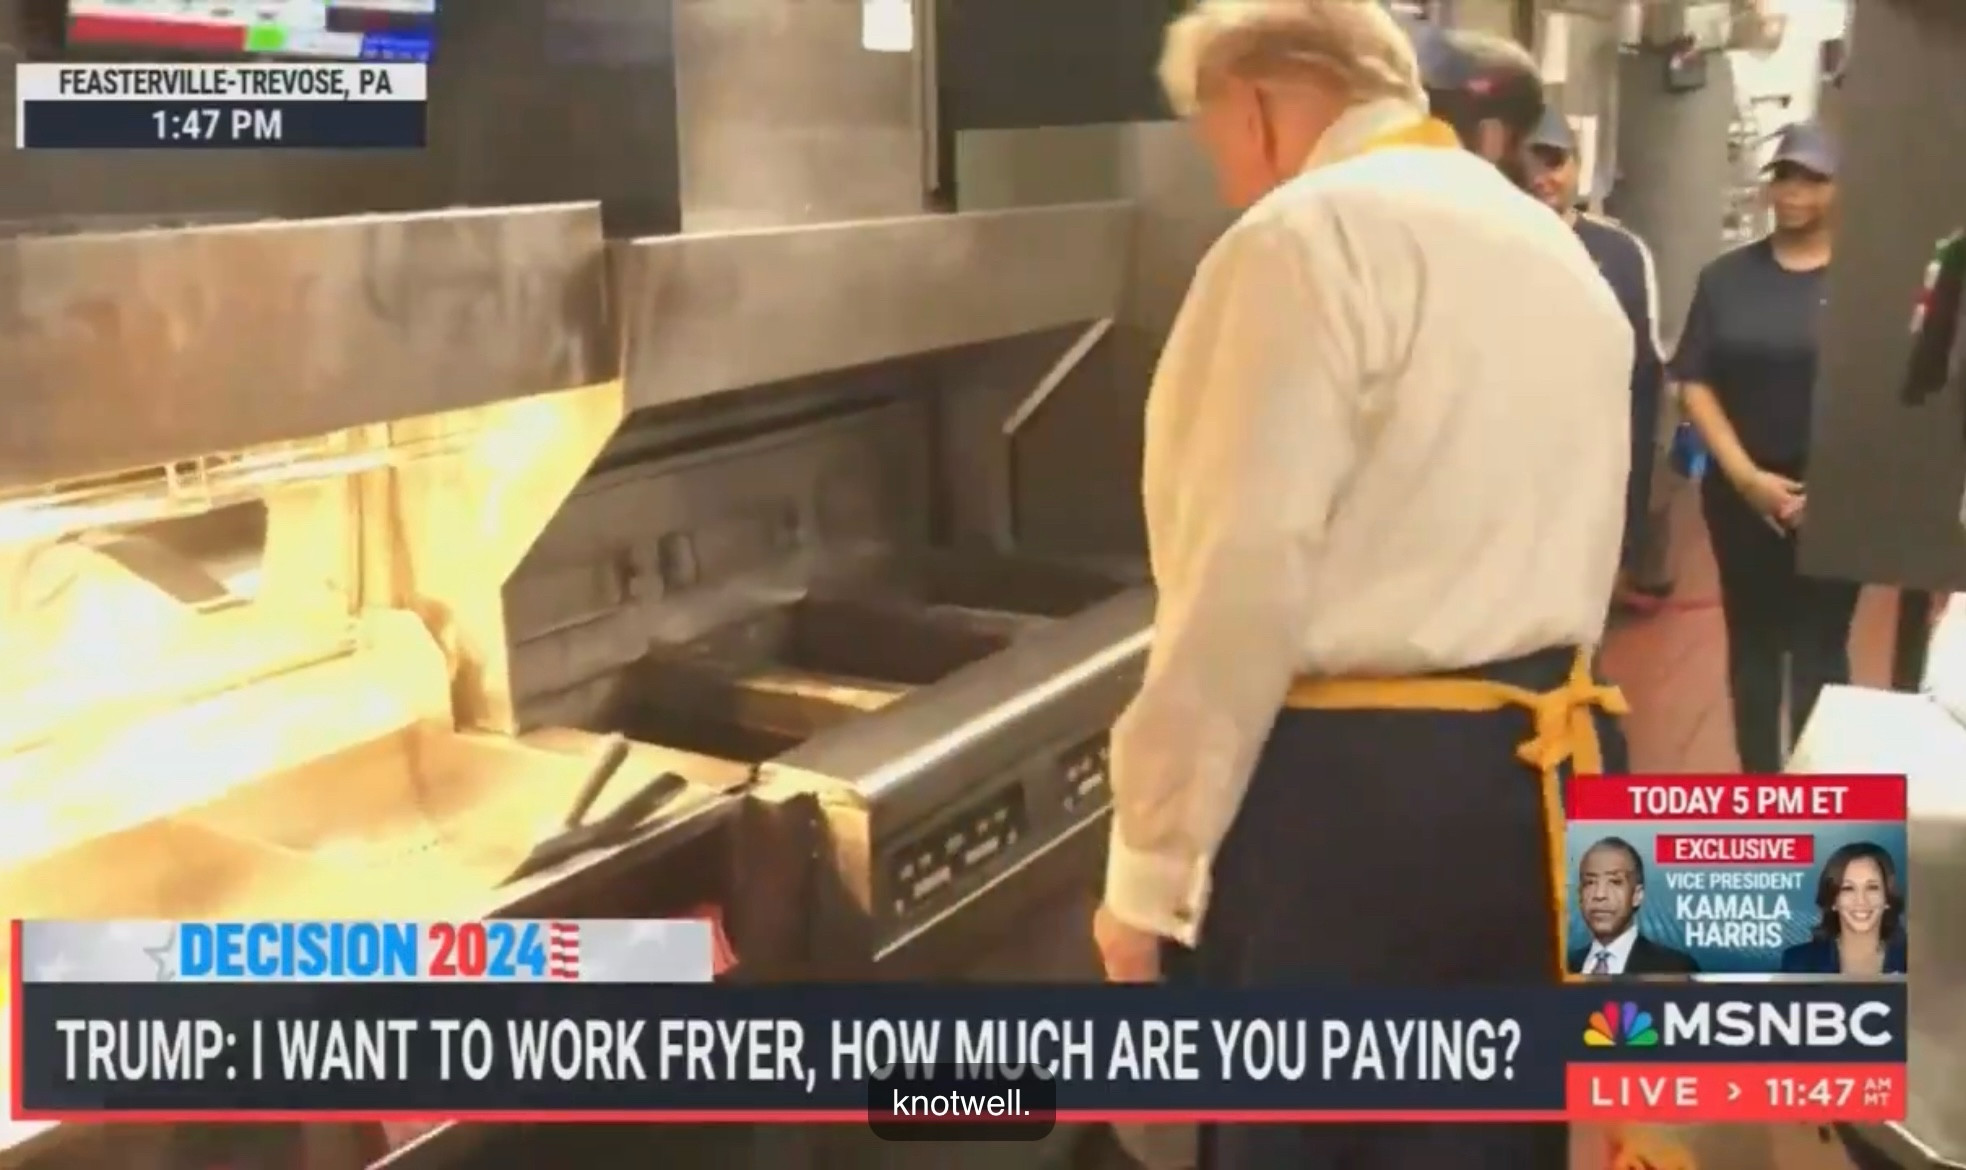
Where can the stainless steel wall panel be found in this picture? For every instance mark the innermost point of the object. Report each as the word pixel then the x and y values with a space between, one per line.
pixel 786 119
pixel 1017 64
pixel 981 388
pixel 1028 168
pixel 1077 476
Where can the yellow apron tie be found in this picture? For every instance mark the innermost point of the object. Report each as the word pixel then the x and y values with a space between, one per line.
pixel 1426 132
pixel 1565 733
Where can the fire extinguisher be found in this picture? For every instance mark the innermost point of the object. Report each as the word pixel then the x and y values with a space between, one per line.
pixel 1935 321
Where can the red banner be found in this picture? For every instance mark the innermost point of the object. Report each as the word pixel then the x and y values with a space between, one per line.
pixel 1763 1093
pixel 1735 849
pixel 1736 798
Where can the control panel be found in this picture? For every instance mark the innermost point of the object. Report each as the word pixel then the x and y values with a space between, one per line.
pixel 935 862
pixel 1053 792
pixel 1084 768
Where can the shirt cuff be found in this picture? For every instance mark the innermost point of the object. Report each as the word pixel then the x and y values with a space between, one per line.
pixel 1162 895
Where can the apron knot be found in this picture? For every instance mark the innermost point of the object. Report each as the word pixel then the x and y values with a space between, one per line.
pixel 1564 732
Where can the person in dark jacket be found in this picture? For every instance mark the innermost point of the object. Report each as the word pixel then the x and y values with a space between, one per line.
pixel 1861 931
pixel 1746 366
pixel 1625 261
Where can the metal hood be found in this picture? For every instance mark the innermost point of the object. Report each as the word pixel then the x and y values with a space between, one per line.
pixel 130 349
pixel 717 311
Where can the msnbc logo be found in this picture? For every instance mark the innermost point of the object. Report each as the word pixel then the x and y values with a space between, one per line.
pixel 1621 1025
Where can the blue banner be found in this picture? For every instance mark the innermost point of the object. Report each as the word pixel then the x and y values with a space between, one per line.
pixel 455 1049
pixel 220 125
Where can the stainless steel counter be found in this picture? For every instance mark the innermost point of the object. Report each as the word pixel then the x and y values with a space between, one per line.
pixel 1859 730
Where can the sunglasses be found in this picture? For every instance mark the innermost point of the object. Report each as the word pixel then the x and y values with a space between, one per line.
pixel 1793 172
pixel 1550 158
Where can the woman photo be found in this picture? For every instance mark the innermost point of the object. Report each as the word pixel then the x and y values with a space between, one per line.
pixel 1861 931
pixel 1746 365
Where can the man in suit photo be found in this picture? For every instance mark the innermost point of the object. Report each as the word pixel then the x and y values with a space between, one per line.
pixel 1610 891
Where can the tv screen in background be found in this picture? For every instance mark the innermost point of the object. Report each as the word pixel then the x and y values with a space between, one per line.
pixel 330 30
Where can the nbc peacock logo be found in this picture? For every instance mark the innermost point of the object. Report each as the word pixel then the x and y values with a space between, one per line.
pixel 1621 1025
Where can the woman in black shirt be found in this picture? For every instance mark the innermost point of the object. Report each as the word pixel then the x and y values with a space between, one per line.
pixel 1747 368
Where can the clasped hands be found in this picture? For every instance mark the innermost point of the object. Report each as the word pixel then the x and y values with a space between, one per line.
pixel 1776 497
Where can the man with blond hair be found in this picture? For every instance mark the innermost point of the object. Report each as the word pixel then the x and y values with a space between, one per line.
pixel 1384 487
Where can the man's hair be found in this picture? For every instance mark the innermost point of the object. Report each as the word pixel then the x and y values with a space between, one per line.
pixel 1501 84
pixel 1355 45
pixel 1620 845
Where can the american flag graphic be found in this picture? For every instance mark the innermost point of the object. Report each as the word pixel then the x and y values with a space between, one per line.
pixel 722 958
pixel 563 950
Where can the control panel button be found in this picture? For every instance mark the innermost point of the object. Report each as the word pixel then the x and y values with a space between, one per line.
pixel 969 843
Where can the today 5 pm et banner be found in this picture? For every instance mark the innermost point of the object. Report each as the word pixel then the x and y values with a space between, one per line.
pixel 1731 875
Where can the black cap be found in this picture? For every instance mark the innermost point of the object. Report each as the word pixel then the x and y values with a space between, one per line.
pixel 1808 146
pixel 1469 80
pixel 1554 133
pixel 1444 65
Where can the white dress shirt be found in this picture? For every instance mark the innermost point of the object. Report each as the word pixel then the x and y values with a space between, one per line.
pixel 1388 435
pixel 1616 953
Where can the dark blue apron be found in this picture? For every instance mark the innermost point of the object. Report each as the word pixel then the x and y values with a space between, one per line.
pixel 1406 846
